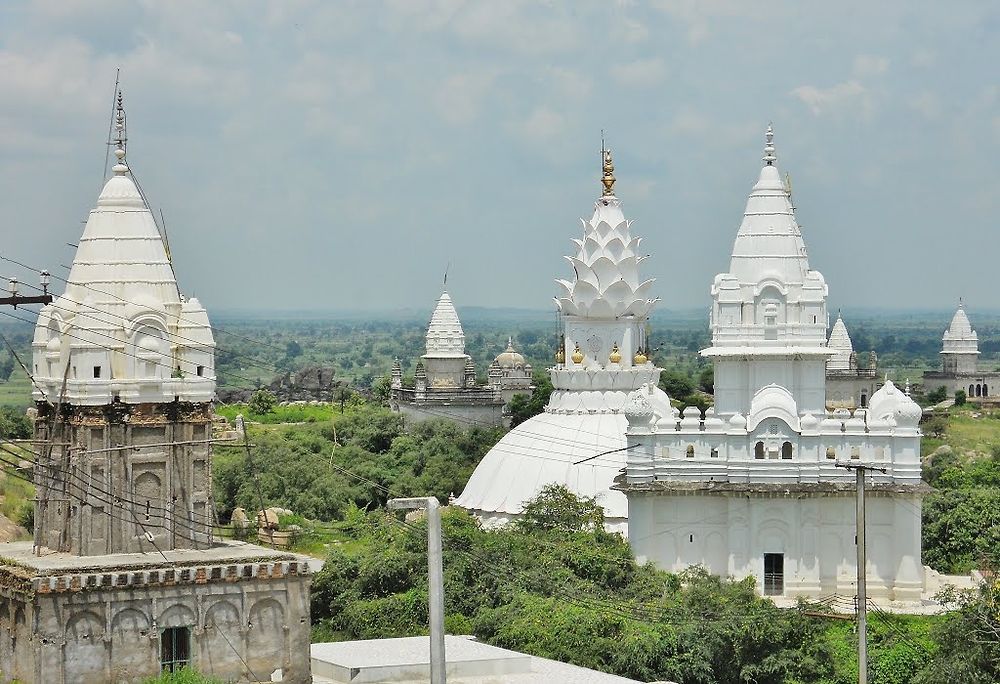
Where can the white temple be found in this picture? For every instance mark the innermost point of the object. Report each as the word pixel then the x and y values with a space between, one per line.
pixel 130 333
pixel 752 488
pixel 445 378
pixel 510 374
pixel 848 385
pixel 960 363
pixel 579 441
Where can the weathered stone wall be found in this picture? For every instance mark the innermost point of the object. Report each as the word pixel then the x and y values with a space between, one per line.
pixel 98 627
pixel 119 471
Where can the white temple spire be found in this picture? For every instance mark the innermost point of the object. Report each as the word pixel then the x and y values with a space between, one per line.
pixel 121 138
pixel 769 156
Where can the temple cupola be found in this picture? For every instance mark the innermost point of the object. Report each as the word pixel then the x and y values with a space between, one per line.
pixel 960 344
pixel 769 299
pixel 122 331
pixel 607 302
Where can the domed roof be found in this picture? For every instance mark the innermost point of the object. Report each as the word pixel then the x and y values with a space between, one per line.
pixel 509 358
pixel 445 337
pixel 889 402
pixel 543 450
pixel 840 342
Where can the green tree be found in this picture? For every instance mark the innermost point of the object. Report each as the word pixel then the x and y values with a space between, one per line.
pixel 968 639
pixel 937 395
pixel 676 383
pixel 557 508
pixel 523 406
pixel 960 397
pixel 14 424
pixel 262 401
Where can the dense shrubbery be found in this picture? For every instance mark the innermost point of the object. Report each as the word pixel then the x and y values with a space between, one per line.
pixel 960 524
pixel 558 586
pixel 303 468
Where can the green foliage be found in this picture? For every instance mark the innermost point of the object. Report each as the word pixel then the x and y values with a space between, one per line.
pixel 185 675
pixel 304 467
pixel 960 524
pixel 968 639
pixel 936 396
pixel 959 397
pixel 556 508
pixel 262 401
pixel 566 589
pixel 524 406
pixel 14 424
pixel 291 413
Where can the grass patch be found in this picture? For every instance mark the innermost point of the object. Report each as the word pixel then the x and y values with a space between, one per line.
pixel 295 413
pixel 16 391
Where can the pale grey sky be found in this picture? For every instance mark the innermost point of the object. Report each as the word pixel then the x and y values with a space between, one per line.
pixel 337 155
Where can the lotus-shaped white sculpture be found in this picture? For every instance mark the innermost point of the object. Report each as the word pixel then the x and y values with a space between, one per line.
pixel 607 269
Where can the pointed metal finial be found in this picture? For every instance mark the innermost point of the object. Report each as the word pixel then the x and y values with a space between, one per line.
pixel 769 157
pixel 120 137
pixel 608 175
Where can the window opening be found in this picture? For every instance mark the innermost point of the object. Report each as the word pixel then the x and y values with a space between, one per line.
pixel 97 371
pixel 831 453
pixel 774 574
pixel 758 450
pixel 175 648
pixel 786 451
pixel 690 451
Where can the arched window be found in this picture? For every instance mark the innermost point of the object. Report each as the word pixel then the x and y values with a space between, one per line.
pixel 979 390
pixel 690 451
pixel 786 451
pixel 972 390
pixel 864 400
pixel 758 450
pixel 986 391
pixel 855 452
pixel 831 453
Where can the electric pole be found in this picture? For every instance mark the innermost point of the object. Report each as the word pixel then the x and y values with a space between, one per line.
pixel 859 470
pixel 435 578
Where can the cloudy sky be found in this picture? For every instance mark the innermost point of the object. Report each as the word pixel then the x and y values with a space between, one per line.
pixel 339 155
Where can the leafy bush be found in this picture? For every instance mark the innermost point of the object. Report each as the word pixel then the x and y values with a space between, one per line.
pixel 262 401
pixel 185 675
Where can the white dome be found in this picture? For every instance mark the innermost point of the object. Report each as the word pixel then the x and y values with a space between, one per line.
pixel 542 450
pixel 509 358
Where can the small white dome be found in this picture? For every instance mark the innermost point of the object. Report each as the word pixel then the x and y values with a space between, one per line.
pixel 637 408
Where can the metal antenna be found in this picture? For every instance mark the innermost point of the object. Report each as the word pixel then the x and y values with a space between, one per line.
pixel 111 125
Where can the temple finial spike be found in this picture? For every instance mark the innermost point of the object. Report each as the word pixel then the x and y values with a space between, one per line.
pixel 121 139
pixel 769 157
pixel 608 171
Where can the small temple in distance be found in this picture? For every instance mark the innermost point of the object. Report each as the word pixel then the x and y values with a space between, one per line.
pixel 960 364
pixel 849 384
pixel 444 382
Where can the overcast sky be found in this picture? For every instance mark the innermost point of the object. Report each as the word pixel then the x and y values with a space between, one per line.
pixel 338 155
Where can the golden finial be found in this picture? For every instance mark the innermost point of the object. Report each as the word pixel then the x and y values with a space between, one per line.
pixel 615 356
pixel 608 177
pixel 577 355
pixel 640 357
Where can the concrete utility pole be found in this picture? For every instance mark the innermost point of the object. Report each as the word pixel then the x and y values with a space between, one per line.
pixel 859 469
pixel 435 578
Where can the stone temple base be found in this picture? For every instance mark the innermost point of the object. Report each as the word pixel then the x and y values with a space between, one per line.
pixel 235 611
